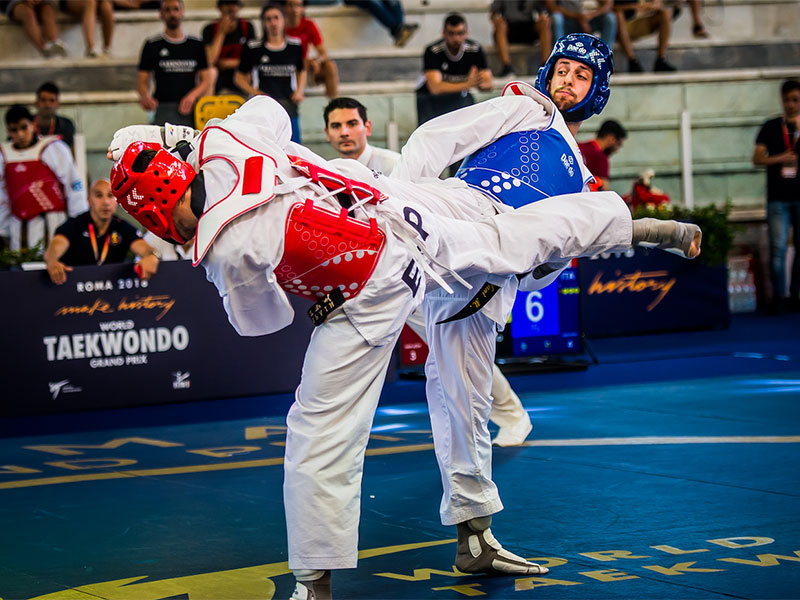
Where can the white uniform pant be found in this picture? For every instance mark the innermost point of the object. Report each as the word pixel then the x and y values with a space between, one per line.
pixel 459 380
pixel 328 429
pixel 507 409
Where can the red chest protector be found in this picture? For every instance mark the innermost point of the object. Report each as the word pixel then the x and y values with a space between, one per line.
pixel 32 186
pixel 323 249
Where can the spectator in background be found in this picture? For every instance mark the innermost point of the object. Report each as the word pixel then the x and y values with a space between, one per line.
pixel 320 69
pixel 177 62
pixel 38 20
pixel 452 66
pixel 274 66
pixel 347 129
pixel 388 13
pixel 578 16
pixel 39 183
pixel 596 152
pixel 224 39
pixel 46 121
pixel 777 148
pixel 519 22
pixel 97 237
pixel 87 11
pixel 637 19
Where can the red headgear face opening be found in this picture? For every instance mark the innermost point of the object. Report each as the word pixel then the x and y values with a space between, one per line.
pixel 149 191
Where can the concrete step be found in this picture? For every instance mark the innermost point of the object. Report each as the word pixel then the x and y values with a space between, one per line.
pixel 395 65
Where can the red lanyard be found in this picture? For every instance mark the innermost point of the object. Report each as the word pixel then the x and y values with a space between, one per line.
pixel 52 126
pixel 101 259
pixel 787 142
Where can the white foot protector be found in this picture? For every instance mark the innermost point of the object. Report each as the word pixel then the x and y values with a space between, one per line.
pixel 312 585
pixel 480 552
pixel 515 434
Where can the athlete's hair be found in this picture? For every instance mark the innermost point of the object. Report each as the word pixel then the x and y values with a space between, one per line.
pixel 454 19
pixel 790 85
pixel 221 3
pixel 163 2
pixel 612 127
pixel 48 86
pixel 337 103
pixel 17 113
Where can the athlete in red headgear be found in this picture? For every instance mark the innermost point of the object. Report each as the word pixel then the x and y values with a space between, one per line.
pixel 272 217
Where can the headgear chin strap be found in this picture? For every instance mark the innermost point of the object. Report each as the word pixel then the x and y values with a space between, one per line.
pixel 594 53
pixel 148 181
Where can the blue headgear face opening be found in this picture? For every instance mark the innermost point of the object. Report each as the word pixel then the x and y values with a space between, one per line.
pixel 594 53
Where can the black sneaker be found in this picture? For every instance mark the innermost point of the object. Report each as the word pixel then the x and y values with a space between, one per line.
pixel 506 71
pixel 661 64
pixel 634 66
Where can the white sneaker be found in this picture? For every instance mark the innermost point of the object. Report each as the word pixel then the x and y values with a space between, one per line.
pixel 54 48
pixel 513 435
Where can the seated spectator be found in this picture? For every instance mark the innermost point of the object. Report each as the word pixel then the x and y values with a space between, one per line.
pixel 452 66
pixel 579 16
pixel 38 20
pixel 97 237
pixel 698 29
pixel 87 11
pixel 596 152
pixel 320 69
pixel 637 19
pixel 274 66
pixel 520 22
pixel 39 183
pixel 224 39
pixel 388 13
pixel 46 121
pixel 168 252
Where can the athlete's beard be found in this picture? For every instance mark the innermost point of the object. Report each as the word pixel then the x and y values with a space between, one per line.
pixel 564 103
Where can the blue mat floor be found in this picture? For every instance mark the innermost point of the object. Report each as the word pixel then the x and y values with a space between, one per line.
pixel 671 469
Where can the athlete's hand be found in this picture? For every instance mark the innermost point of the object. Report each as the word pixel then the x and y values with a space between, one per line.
pixel 788 158
pixel 58 272
pixel 298 97
pixel 133 133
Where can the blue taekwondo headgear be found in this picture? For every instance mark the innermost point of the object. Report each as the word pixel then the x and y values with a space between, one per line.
pixel 594 53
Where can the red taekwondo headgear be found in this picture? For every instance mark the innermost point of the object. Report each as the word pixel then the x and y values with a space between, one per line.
pixel 148 181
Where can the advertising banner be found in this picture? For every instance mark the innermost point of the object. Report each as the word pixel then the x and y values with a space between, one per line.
pixel 108 339
pixel 647 291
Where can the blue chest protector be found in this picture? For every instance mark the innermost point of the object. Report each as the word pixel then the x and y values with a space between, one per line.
pixel 523 167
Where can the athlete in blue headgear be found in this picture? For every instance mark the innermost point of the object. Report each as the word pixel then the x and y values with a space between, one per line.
pixel 577 76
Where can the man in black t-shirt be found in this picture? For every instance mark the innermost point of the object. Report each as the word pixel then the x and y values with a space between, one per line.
pixel 223 40
pixel 777 148
pixel 46 121
pixel 451 67
pixel 179 66
pixel 97 237
pixel 274 66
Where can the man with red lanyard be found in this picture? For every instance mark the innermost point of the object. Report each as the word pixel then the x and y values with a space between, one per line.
pixel 777 149
pixel 320 69
pixel 97 237
pixel 596 152
pixel 39 183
